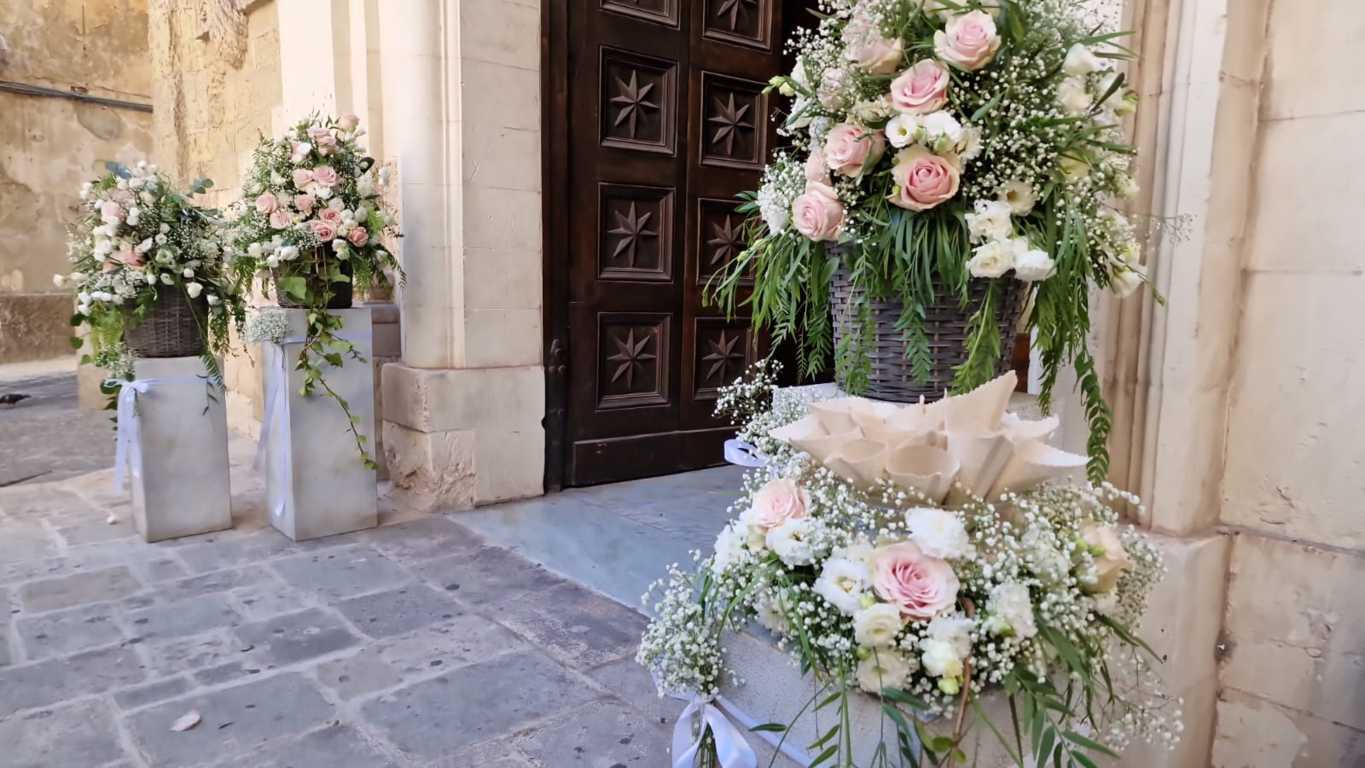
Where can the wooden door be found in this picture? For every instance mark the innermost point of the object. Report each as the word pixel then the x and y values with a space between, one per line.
pixel 666 123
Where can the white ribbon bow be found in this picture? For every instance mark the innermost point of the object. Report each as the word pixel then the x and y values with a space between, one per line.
pixel 128 444
pixel 731 748
pixel 743 454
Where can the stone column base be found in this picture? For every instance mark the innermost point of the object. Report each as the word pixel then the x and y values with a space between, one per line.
pixel 454 438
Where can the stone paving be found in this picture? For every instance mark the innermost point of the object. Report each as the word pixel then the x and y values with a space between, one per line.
pixel 419 643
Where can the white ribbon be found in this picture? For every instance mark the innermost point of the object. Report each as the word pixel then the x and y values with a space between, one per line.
pixel 128 444
pixel 743 454
pixel 731 748
pixel 275 425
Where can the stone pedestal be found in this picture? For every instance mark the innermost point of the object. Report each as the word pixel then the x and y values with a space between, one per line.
pixel 316 482
pixel 180 483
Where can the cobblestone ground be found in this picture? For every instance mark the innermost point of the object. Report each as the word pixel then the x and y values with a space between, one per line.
pixel 414 644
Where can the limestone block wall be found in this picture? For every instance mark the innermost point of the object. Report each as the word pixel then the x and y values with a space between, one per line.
pixel 49 146
pixel 1293 666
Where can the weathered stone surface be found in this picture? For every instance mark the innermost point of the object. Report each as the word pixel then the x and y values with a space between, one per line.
pixel 185 617
pixel 341 573
pixel 217 551
pixel 576 625
pixel 81 734
pixel 520 682
pixel 628 681
pixel 600 734
pixel 62 632
pixel 195 652
pixel 384 614
pixel 295 637
pixel 150 693
pixel 26 540
pixel 210 583
pixel 160 569
pixel 490 575
pixel 357 675
pixel 1253 732
pixel 335 746
pixel 53 680
pixel 79 588
pixel 434 536
pixel 263 601
pixel 96 529
pixel 464 640
pixel 259 712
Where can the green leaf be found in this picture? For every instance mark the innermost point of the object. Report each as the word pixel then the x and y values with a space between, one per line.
pixel 1088 743
pixel 200 185
pixel 769 727
pixel 901 697
pixel 76 342
pixel 293 285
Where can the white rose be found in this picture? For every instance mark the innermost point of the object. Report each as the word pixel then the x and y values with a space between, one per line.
pixel 134 216
pixel 1018 196
pixel 993 259
pixel 885 668
pixel 194 289
pixel 166 279
pixel 254 250
pixel 1011 611
pixel 213 300
pixel 289 252
pixel 1080 60
pixel 940 658
pixel 901 130
pixel 729 549
pixel 187 272
pixel 150 277
pixel 1033 265
pixel 989 221
pixel 877 626
pixel 1073 96
pixel 942 126
pixel 938 532
pixel 843 583
pixel 955 630
pixel 791 542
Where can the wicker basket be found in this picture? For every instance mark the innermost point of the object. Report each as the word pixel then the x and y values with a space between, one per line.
pixel 342 292
pixel 945 324
pixel 170 329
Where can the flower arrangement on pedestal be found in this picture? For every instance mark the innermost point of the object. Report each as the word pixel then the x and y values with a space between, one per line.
pixel 312 218
pixel 928 555
pixel 148 273
pixel 959 160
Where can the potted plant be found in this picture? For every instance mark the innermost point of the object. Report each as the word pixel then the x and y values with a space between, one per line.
pixel 951 162
pixel 148 273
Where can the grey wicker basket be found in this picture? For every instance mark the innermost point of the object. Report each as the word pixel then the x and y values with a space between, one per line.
pixel 170 329
pixel 945 324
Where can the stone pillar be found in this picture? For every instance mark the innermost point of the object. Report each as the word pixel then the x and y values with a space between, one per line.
pixel 461 91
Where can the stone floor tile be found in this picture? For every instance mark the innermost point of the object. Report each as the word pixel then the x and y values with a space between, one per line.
pixel 487 700
pixel 357 675
pixel 216 551
pixel 295 637
pixel 52 680
pixel 210 583
pixel 490 575
pixel 576 625
pixel 628 681
pixel 96 529
pixel 335 746
pixel 78 589
pixel 185 617
pixel 150 693
pixel 266 600
pixel 62 632
pixel 159 569
pixel 224 673
pixel 435 536
pixel 6 657
pixel 16 571
pixel 396 611
pixel 81 734
pixel 26 540
pixel 341 573
pixel 186 654
pixel 235 721
pixel 466 639
pixel 601 734
pixel 491 754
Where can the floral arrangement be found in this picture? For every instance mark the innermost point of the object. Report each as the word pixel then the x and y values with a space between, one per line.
pixel 878 577
pixel 312 216
pixel 935 143
pixel 137 238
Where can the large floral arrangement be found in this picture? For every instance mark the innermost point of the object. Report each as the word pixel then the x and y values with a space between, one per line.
pixel 137 238
pixel 936 142
pixel 312 217
pixel 867 547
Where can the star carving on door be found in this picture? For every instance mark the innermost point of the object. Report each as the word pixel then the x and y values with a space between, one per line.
pixel 632 100
pixel 733 8
pixel 631 227
pixel 729 119
pixel 630 355
pixel 726 242
pixel 726 356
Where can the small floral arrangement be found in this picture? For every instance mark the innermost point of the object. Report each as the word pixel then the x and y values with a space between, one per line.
pixel 312 216
pixel 139 237
pixel 938 142
pixel 929 600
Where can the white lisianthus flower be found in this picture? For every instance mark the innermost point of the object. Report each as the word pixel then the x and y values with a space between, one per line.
pixel 254 250
pixel 954 629
pixel 1073 96
pixel 187 272
pixel 993 259
pixel 1011 611
pixel 877 625
pixel 729 548
pixel 938 532
pixel 940 658
pixel 1033 265
pixel 164 228
pixel 1126 278
pixel 166 279
pixel 134 216
pixel 1080 60
pixel 288 252
pixel 969 148
pixel 901 130
pixel 213 300
pixel 771 616
pixel 884 668
pixel 194 289
pixel 83 297
pixel 989 221
pixel 843 583
pixel 272 261
pixel 791 542
pixel 150 277
pixel 942 127
pixel 1019 196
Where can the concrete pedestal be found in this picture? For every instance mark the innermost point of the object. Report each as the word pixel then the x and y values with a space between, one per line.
pixel 180 483
pixel 316 482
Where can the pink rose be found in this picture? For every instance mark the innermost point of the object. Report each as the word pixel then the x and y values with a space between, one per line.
pixel 358 236
pixel 777 502
pixel 266 203
pixel 923 179
pixel 816 169
pixel 302 178
pixel 326 231
pixel 817 212
pixel 348 122
pixel 969 41
pixel 128 256
pixel 919 585
pixel 330 215
pixel 111 212
pixel 280 219
pixel 305 203
pixel 849 148
pixel 317 132
pixel 877 55
pixel 921 89
pixel 325 175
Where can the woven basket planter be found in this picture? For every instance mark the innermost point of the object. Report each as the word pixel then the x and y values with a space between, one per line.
pixel 171 328
pixel 342 292
pixel 945 325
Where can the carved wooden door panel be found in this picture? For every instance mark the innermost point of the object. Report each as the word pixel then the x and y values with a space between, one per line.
pixel 667 123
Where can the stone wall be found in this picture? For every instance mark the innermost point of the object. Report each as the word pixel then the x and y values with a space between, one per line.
pixel 50 145
pixel 1293 671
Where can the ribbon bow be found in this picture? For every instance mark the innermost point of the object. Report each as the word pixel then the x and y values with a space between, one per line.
pixel 743 454
pixel 731 748
pixel 128 443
